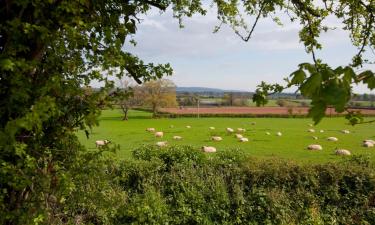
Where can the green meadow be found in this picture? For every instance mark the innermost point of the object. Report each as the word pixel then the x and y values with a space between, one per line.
pixel 132 134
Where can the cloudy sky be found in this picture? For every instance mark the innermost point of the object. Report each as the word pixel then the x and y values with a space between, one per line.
pixel 202 58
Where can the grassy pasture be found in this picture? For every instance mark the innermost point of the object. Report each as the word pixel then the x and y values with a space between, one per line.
pixel 291 145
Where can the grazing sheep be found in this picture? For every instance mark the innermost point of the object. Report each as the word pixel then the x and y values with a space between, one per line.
pixel 177 137
pixel 279 134
pixel 188 126
pixel 150 129
pixel 230 130
pixel 311 125
pixel 101 143
pixel 342 152
pixel 311 130
pixel 161 143
pixel 332 139
pixel 345 132
pixel 321 131
pixel 212 128
pixel 371 141
pixel 368 144
pixel 315 137
pixel 241 130
pixel 238 136
pixel 314 147
pixel 216 138
pixel 208 149
pixel 159 134
pixel 244 139
pixel 268 133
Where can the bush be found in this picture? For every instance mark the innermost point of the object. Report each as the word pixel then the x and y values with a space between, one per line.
pixel 182 185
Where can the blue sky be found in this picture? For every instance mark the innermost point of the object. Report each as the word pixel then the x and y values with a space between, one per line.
pixel 202 58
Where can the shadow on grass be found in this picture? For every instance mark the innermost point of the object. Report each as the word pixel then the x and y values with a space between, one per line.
pixel 116 118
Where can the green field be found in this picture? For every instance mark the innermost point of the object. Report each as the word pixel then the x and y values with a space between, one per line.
pixel 291 145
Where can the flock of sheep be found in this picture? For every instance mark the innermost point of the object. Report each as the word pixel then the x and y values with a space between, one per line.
pixel 239 135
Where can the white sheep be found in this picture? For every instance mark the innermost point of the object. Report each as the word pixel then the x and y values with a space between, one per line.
pixel 321 131
pixel 279 134
pixel 332 139
pixel 268 133
pixel 314 147
pixel 369 140
pixel 177 137
pixel 159 134
pixel 345 132
pixel 230 130
pixel 342 152
pixel 239 136
pixel 208 149
pixel 311 125
pixel 188 127
pixel 368 144
pixel 315 137
pixel 101 143
pixel 161 143
pixel 212 128
pixel 244 139
pixel 216 138
pixel 150 129
pixel 311 130
pixel 241 130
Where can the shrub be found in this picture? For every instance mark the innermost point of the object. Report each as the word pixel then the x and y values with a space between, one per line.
pixel 182 185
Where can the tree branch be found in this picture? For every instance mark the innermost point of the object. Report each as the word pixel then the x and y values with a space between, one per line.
pixel 246 39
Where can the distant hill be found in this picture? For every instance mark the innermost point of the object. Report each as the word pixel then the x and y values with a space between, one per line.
pixel 203 89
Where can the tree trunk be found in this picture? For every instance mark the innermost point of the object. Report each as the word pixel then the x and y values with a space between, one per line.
pixel 125 111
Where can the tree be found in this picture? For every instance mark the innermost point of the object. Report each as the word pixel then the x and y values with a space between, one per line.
pixel 159 93
pixel 127 96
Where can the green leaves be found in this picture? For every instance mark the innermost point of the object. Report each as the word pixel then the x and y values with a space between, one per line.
pixel 6 64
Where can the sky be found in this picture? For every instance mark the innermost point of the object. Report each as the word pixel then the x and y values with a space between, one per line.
pixel 201 58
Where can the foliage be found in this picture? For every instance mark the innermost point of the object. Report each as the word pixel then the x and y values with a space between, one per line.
pixel 181 185
pixel 158 93
pixel 51 50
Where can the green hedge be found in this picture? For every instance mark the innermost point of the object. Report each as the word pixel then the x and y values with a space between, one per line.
pixel 182 185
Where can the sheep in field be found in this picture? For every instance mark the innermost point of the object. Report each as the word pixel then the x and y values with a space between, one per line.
pixel 244 139
pixel 321 131
pixel 315 137
pixel 368 144
pixel 332 139
pixel 216 138
pixel 177 137
pixel 241 130
pixel 101 143
pixel 208 149
pixel 268 133
pixel 345 132
pixel 314 147
pixel 188 127
pixel 212 128
pixel 311 130
pixel 238 136
pixel 161 143
pixel 159 134
pixel 371 141
pixel 150 129
pixel 230 130
pixel 279 134
pixel 342 152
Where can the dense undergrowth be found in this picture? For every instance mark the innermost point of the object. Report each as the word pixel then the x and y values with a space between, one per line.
pixel 182 185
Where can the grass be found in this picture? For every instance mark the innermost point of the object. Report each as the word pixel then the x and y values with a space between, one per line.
pixel 291 145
